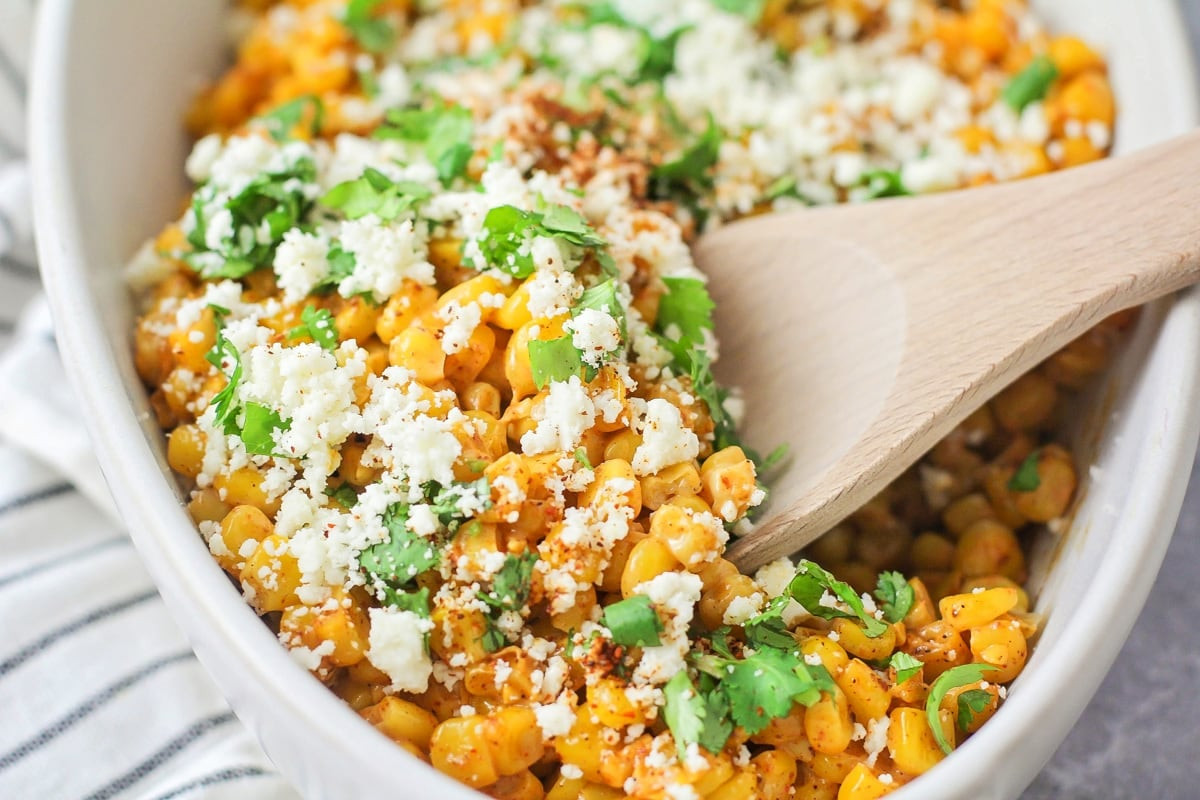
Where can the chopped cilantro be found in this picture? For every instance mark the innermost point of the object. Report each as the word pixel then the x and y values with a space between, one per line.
pixel 375 193
pixel 341 266
pixel 633 622
pixel 689 175
pixel 785 186
pixel 971 703
pixel 687 306
pixel 256 219
pixel 581 458
pixel 373 34
pixel 603 297
pixel 510 592
pixel 509 230
pixel 767 628
pixel 446 133
pixel 809 587
pixel 369 82
pixel 416 602
pixel 763 687
pixel 318 325
pixel 281 123
pixel 446 502
pixel 884 183
pixel 253 422
pixel 343 495
pixel 1026 478
pixel 554 360
pixel 895 596
pixel 905 665
pixel 950 679
pixel 1030 84
pixel 695 718
pixel 751 10
pixel 393 565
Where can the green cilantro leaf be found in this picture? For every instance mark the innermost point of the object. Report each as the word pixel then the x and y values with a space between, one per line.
pixel 446 502
pixel 1026 478
pixel 581 458
pixel 695 718
pixel 633 622
pixel 690 174
pixel 687 306
pixel 254 423
pixel 564 222
pixel 603 297
pixel 341 266
pixel 750 10
pixel 971 703
pixel 895 596
pixel 512 582
pixel 281 122
pixel 1030 84
pixel 950 679
pixel 343 495
pixel 446 133
pixel 259 425
pixel 809 587
pixel 416 602
pixel 254 221
pixel 375 193
pixel 785 186
pixel 554 360
pixel 394 564
pixel 373 34
pixel 505 246
pixel 882 183
pixel 318 325
pixel 763 687
pixel 767 628
pixel 905 665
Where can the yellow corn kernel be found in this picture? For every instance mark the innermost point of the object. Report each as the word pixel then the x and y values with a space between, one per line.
pixel 241 525
pixel 950 703
pixel 607 701
pixel 356 320
pixel 728 483
pixel 479 750
pixel 185 450
pixel 721 585
pixel 1071 55
pixel 865 692
pixel 472 290
pixel 1003 645
pixel 911 742
pixel 206 505
pixel 1087 97
pixel 1027 404
pixel 855 641
pixel 517 369
pixel 481 396
pixel 583 746
pixel 939 647
pixel 832 656
pixel 693 540
pixel 786 732
pixel 610 580
pixel 244 487
pixel 271 575
pixel 827 723
pixel 738 787
pixel 1079 150
pixel 995 582
pixel 963 611
pixel 1056 486
pixel 522 786
pixel 990 548
pixel 565 788
pixel 861 784
pixel 352 470
pixel 458 631
pixel 776 771
pixel 463 367
pixel 613 483
pixel 622 446
pixel 421 352
pixel 190 345
pixel 401 720
pixel 966 510
pixel 922 612
pixel 681 479
pixel 648 559
pixel 403 308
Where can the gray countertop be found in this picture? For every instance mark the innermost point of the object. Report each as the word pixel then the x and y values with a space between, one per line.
pixel 1140 737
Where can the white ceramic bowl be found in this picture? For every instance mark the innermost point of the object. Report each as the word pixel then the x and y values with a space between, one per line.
pixel 111 82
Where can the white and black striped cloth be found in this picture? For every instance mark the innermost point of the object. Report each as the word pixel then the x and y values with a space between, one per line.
pixel 100 696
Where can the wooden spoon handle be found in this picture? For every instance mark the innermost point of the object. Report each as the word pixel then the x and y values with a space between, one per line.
pixel 990 282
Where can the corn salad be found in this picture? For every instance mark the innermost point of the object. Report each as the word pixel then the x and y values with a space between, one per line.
pixel 435 366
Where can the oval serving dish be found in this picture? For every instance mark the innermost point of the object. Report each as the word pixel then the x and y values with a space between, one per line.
pixel 108 150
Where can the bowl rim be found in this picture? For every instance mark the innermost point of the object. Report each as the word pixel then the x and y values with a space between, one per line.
pixel 168 544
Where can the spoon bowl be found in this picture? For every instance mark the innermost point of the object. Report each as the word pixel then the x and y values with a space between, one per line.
pixel 865 333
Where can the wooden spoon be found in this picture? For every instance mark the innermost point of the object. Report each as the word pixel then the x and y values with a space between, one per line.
pixel 862 334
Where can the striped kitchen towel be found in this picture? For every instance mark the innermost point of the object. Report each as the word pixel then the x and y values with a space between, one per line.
pixel 100 696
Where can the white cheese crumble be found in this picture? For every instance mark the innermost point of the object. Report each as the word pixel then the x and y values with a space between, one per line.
pixel 397 647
